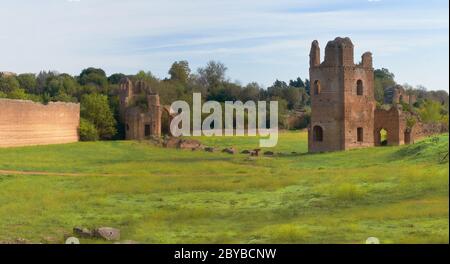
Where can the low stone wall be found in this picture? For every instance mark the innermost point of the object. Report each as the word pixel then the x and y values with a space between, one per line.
pixel 25 123
pixel 428 129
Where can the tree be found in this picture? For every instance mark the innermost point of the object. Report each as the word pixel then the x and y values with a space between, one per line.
pixel 180 72
pixel 308 87
pixel 382 79
pixel 94 76
pixel 87 131
pixel 304 98
pixel 91 71
pixel 250 92
pixel 212 77
pixel 282 111
pixel 54 86
pixel 18 94
pixel 114 105
pixel 277 89
pixel 27 82
pixel 145 76
pixel 70 85
pixel 8 84
pixel 293 97
pixel 116 78
pixel 297 83
pixel 439 96
pixel 430 111
pixel 95 109
pixel 63 97
pixel 42 80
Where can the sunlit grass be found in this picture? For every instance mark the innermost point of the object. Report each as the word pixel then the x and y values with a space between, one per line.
pixel 155 195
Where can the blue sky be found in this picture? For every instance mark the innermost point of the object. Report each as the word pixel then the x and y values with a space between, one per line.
pixel 258 40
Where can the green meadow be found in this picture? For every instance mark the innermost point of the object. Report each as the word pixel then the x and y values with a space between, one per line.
pixel 157 195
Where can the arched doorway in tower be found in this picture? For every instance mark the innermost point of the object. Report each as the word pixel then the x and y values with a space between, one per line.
pixel 381 137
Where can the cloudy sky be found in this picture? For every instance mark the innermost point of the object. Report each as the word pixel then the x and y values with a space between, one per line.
pixel 258 40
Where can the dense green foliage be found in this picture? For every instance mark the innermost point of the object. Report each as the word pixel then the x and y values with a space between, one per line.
pixel 383 79
pixel 431 111
pixel 95 109
pixel 210 80
pixel 87 131
pixel 431 106
pixel 156 195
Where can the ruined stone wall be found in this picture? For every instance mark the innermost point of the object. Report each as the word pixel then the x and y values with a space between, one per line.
pixel 155 114
pixel 359 108
pixel 125 97
pixel 343 105
pixel 133 125
pixel 397 94
pixel 422 130
pixel 139 123
pixel 327 109
pixel 345 102
pixel 394 122
pixel 25 123
pixel 136 122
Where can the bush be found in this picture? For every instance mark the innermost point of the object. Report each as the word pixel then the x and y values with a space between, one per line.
pixel 8 84
pixel 410 122
pixel 430 112
pixel 349 192
pixel 87 131
pixel 95 108
pixel 406 107
pixel 18 94
pixel 444 120
pixel 289 233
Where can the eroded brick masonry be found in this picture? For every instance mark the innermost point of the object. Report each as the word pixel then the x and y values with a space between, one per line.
pixel 140 110
pixel 344 114
pixel 25 123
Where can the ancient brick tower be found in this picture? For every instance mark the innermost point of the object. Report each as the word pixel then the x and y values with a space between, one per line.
pixel 342 98
pixel 140 110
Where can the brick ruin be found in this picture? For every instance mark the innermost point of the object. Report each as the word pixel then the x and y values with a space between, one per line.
pixel 397 94
pixel 141 111
pixel 344 114
pixel 26 123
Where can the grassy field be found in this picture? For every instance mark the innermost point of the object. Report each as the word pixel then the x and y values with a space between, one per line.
pixel 155 195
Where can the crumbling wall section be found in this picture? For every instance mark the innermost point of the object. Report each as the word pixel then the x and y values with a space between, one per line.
pixel 422 130
pixel 397 94
pixel 389 120
pixel 359 105
pixel 342 99
pixel 327 109
pixel 139 123
pixel 26 123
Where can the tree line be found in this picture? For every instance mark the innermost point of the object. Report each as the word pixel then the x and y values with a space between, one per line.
pixel 98 93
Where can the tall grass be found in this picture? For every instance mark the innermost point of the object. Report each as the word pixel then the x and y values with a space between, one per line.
pixel 155 195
